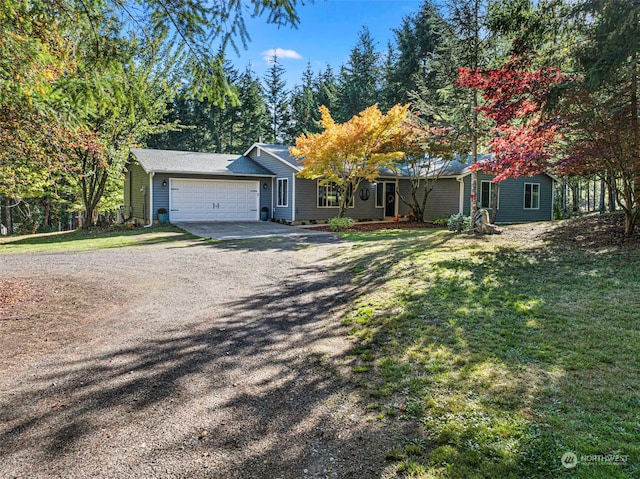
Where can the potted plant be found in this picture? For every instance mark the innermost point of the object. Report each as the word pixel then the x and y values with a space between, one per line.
pixel 163 216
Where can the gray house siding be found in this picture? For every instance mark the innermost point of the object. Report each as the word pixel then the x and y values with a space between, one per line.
pixel 307 203
pixel 443 200
pixel 281 170
pixel 511 198
pixel 136 199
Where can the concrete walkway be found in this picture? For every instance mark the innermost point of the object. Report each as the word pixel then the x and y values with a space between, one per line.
pixel 246 230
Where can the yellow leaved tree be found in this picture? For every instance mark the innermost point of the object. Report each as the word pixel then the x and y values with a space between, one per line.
pixel 347 153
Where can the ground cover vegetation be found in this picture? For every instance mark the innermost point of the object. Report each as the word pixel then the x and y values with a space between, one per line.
pixel 90 239
pixel 504 352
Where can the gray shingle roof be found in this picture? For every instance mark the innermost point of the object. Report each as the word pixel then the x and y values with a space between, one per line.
pixel 170 161
pixel 282 152
pixel 437 168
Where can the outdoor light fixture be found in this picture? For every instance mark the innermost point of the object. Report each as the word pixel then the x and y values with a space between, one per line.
pixel 265 186
pixel 164 183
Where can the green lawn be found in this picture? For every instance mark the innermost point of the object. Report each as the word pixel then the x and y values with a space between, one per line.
pixel 86 240
pixel 506 353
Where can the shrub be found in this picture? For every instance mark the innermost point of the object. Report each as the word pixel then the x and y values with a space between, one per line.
pixel 459 222
pixel 441 221
pixel 340 224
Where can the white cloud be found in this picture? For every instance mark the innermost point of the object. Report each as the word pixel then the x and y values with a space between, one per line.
pixel 281 54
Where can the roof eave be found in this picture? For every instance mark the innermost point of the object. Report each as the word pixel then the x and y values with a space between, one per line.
pixel 257 145
pixel 210 173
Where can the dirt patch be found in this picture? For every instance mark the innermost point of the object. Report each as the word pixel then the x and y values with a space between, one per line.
pixel 593 231
pixel 39 314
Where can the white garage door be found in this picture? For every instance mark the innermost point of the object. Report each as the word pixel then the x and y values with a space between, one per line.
pixel 214 200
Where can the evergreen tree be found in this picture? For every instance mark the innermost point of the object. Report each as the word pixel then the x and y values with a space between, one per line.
pixel 326 89
pixel 206 126
pixel 390 89
pixel 277 101
pixel 305 112
pixel 463 41
pixel 417 40
pixel 359 78
pixel 253 117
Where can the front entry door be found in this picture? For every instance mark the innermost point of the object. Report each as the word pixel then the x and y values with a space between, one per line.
pixel 390 199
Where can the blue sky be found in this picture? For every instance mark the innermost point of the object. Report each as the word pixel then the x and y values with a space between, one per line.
pixel 327 32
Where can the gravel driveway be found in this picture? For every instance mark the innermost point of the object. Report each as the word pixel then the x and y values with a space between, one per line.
pixel 184 359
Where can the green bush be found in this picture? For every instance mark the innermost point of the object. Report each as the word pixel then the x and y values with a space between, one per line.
pixel 441 221
pixel 459 222
pixel 340 224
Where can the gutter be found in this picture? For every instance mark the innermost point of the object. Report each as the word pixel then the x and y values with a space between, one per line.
pixel 213 173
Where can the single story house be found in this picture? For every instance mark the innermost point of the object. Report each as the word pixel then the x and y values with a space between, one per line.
pixel 263 183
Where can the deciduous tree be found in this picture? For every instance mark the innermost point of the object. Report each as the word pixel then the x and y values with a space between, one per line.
pixel 428 151
pixel 347 153
pixel 516 100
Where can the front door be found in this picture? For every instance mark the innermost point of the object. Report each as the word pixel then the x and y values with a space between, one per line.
pixel 390 199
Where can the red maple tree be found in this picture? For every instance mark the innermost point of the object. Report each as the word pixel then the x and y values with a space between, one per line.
pixel 516 100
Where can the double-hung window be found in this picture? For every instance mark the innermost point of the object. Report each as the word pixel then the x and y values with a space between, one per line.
pixel 531 196
pixel 283 192
pixel 329 196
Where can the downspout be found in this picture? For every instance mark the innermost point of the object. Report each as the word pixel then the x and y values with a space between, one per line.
pixel 150 200
pixel 293 198
pixel 273 204
pixel 461 201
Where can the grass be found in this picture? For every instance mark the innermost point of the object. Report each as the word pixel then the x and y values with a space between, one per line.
pixel 505 354
pixel 86 240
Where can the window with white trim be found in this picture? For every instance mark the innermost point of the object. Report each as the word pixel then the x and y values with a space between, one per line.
pixel 283 192
pixel 379 195
pixel 486 194
pixel 532 196
pixel 329 196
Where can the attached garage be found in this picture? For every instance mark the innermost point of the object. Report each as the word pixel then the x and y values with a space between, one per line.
pixel 195 187
pixel 213 200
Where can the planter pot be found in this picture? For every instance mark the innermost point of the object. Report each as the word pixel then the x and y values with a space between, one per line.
pixel 163 218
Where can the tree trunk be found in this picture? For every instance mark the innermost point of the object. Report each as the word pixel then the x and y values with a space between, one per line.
pixel 8 217
pixel 474 158
pixel 611 192
pixel 494 203
pixel 602 195
pixel 47 210
pixel 630 217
